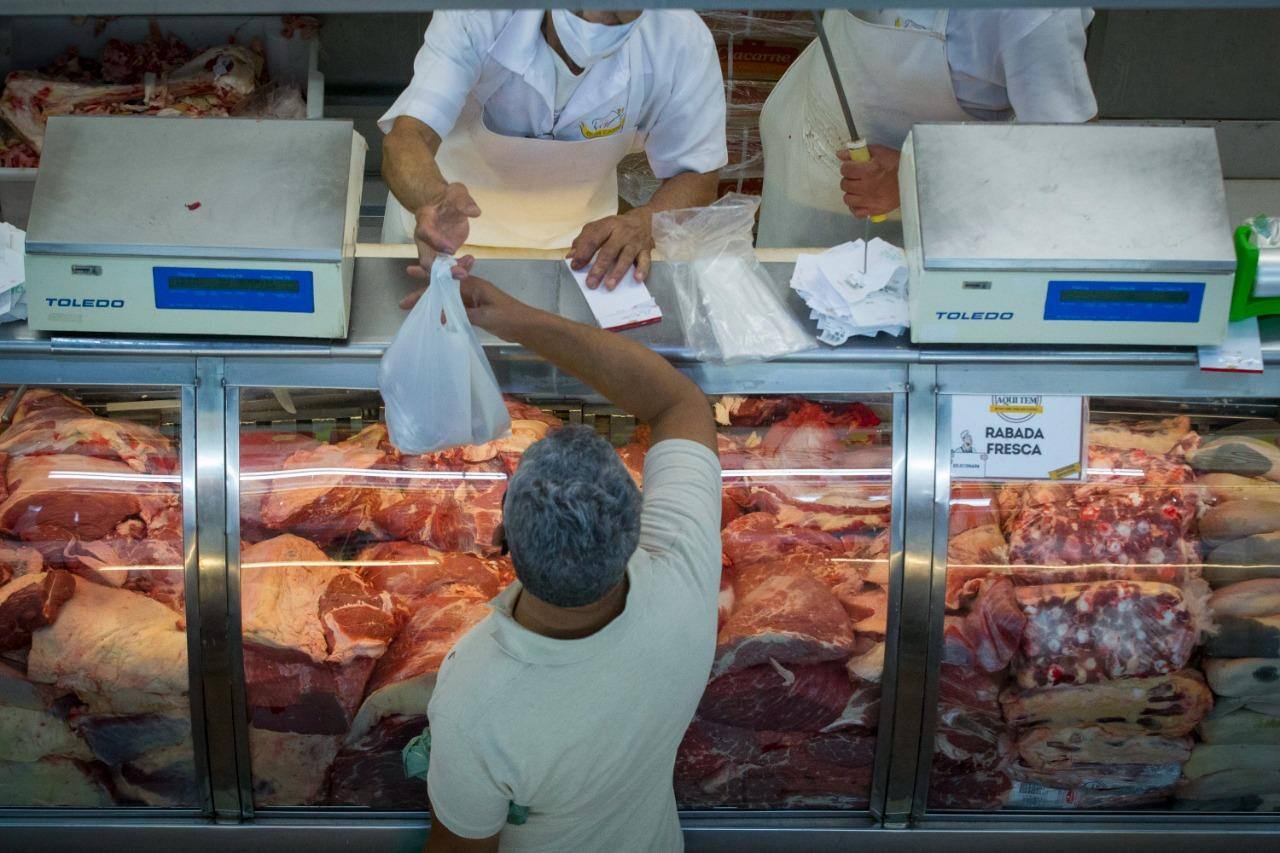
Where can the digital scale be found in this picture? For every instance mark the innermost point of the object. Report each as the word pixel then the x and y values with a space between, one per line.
pixel 1065 234
pixel 195 227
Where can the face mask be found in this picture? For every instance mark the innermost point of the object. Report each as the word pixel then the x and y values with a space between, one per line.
pixel 585 42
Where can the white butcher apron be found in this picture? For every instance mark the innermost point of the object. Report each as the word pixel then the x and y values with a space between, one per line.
pixel 893 77
pixel 532 193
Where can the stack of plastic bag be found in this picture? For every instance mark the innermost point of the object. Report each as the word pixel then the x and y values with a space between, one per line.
pixel 730 311
pixel 13 298
pixel 847 299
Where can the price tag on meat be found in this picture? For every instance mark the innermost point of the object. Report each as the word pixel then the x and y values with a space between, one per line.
pixel 1016 437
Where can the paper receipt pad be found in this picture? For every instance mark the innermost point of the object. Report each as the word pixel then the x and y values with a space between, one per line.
pixel 625 307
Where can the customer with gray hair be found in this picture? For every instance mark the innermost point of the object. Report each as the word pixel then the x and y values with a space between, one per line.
pixel 571 698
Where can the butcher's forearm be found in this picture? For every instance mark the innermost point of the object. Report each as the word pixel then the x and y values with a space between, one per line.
pixel 409 164
pixel 629 375
pixel 687 189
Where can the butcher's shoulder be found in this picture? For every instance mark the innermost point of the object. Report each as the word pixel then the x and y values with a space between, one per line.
pixel 675 33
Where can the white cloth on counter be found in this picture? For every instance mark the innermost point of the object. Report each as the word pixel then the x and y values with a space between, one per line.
pixel 844 300
pixel 13 274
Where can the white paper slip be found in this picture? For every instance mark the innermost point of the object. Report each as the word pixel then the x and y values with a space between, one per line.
pixel 1241 352
pixel 627 306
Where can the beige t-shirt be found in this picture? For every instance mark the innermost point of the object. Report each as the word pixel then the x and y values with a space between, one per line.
pixel 584 732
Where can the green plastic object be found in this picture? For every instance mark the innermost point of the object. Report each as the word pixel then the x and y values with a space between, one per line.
pixel 1243 303
pixel 416 756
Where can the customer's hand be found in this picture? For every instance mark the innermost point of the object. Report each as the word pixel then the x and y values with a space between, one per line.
pixel 487 307
pixel 461 269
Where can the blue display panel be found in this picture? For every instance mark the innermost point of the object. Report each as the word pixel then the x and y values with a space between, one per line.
pixel 1133 301
pixel 196 289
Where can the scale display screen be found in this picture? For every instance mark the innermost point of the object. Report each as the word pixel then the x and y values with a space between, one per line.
pixel 194 289
pixel 1128 301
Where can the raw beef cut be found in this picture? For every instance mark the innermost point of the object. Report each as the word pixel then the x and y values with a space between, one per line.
pixel 1238 454
pixel 404 678
pixel 52 432
pixel 1258 597
pixel 111 642
pixel 968 742
pixel 733 410
pixel 632 455
pixel 966 687
pixel 830 505
pixel 810 437
pixel 120 739
pixel 1238 519
pixel 758 547
pixel 1240 725
pixel 784 619
pixel 33 721
pixel 1230 784
pixel 1102 523
pixel 320 493
pixel 43 401
pixel 983 547
pixel 410 572
pixel 867 665
pixel 54 782
pixel 981 791
pixel 988 635
pixel 312 631
pixel 1254 676
pixel 1095 786
pixel 803 697
pixel 721 765
pixel 1163 436
pixel 153 567
pixel 162 778
pixel 1246 637
pixel 972 505
pixel 30 603
pixel 1171 705
pixel 263 452
pixel 1082 633
pixel 290 769
pixel 211 84
pixel 369 771
pixel 1061 748
pixel 54 499
pixel 460 511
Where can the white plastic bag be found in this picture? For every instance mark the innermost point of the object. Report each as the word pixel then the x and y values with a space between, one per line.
pixel 730 310
pixel 436 382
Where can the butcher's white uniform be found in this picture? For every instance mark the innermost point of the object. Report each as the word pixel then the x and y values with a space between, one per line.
pixel 486 83
pixel 900 68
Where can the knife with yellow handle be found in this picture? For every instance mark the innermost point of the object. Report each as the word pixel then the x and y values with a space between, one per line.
pixel 857 148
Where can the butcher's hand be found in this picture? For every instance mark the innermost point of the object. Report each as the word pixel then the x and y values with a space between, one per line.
pixel 870 188
pixel 443 225
pixel 611 245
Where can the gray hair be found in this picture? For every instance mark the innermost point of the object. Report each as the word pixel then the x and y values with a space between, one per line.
pixel 571 517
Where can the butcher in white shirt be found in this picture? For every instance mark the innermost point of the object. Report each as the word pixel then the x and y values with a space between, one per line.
pixel 900 67
pixel 570 699
pixel 512 128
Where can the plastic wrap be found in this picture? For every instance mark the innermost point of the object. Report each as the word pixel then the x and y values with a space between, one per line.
pixel 730 311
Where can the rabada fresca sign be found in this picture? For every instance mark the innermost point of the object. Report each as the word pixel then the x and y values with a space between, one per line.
pixel 1017 437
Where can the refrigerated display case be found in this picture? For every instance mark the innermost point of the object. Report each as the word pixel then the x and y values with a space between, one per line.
pixel 327 503
pixel 946 599
pixel 95 698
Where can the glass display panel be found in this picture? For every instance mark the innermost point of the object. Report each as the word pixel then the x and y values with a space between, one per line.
pixel 93 645
pixel 790 712
pixel 1114 644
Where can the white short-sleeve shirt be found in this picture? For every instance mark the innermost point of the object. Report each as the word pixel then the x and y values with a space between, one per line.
pixel 584 732
pixel 502 57
pixel 1026 64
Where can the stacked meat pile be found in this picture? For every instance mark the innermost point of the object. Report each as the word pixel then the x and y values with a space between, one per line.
pixel 93 646
pixel 366 566
pixel 1084 635
pixel 160 76
pixel 789 716
pixel 1236 766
